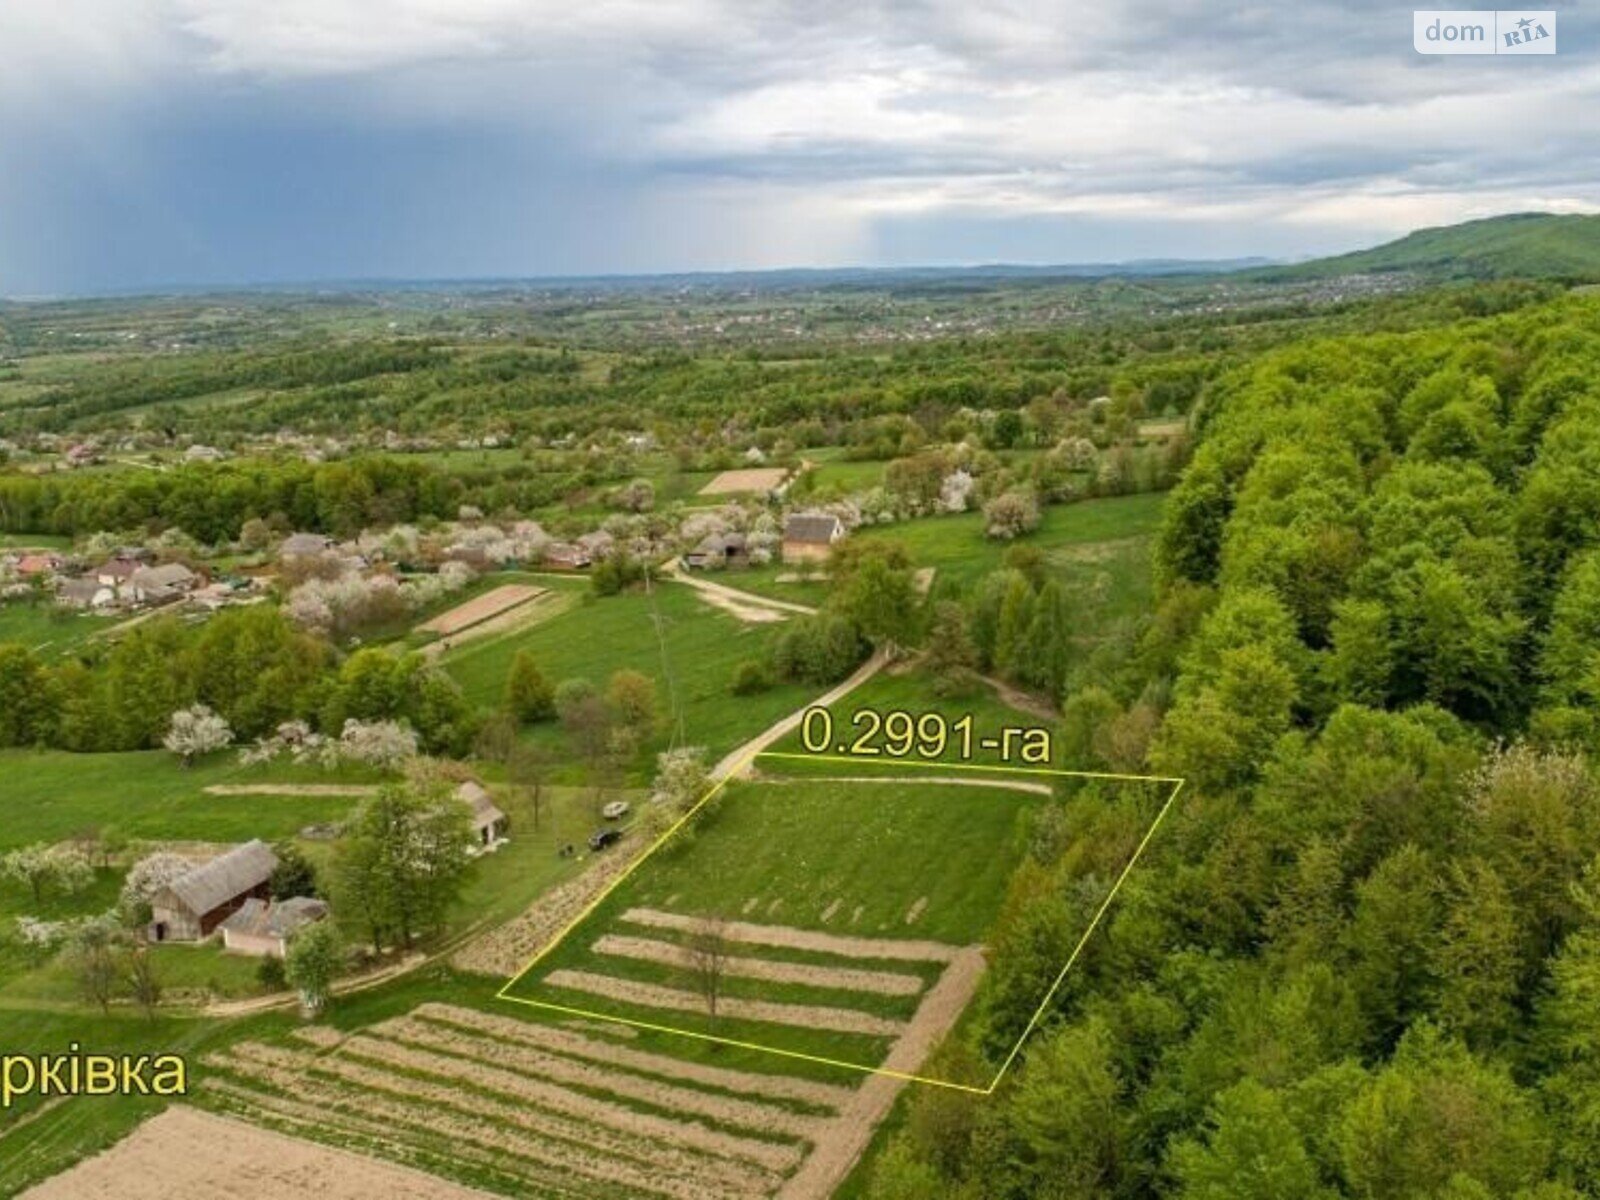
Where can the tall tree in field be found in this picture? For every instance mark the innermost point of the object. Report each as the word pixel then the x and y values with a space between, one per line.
pixel 314 960
pixel 26 713
pixel 528 695
pixel 403 861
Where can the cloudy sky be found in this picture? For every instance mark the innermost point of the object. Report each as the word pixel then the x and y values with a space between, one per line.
pixel 145 142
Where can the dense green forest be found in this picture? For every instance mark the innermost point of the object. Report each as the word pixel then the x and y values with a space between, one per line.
pixel 1362 957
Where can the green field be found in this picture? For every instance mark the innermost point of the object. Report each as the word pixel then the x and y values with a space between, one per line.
pixel 49 630
pixel 147 794
pixel 692 660
pixel 902 858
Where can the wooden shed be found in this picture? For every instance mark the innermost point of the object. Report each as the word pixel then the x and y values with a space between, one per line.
pixel 263 928
pixel 489 823
pixel 190 907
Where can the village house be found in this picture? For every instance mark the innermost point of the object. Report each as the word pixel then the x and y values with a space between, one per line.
pixel 160 585
pixel 191 907
pixel 489 823
pixel 115 572
pixel 30 565
pixel 86 592
pixel 263 928
pixel 718 550
pixel 809 537
pixel 200 453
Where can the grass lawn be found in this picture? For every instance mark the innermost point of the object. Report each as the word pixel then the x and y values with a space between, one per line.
pixel 692 663
pixel 896 859
pixel 1112 534
pixel 47 629
pixel 51 794
pixel 956 547
pixel 35 541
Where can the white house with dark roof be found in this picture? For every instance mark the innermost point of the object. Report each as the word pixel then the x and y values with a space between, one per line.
pixel 810 537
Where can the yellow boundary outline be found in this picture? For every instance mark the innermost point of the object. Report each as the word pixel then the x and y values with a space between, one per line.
pixel 856 760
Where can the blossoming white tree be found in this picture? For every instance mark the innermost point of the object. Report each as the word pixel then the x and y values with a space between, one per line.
pixel 196 731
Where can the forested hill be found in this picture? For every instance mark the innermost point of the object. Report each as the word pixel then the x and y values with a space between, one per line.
pixel 1521 245
pixel 1362 956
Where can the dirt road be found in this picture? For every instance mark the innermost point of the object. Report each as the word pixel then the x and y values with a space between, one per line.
pixel 849 1134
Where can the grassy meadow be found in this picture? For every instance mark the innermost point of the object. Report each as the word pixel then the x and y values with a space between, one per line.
pixel 690 649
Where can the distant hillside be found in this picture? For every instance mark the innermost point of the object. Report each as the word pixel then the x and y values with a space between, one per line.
pixel 1526 245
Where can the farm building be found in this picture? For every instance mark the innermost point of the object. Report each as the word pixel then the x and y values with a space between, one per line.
pixel 158 585
pixel 809 537
pixel 117 570
pixel 489 823
pixel 85 593
pixel 718 550
pixel 193 905
pixel 263 928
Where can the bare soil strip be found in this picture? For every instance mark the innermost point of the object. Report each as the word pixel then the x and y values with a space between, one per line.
pixel 324 1118
pixel 580 1157
pixel 745 479
pixel 291 789
pixel 779 1087
pixel 1009 785
pixel 186 1154
pixel 506 950
pixel 806 1016
pixel 535 612
pixel 750 614
pixel 480 608
pixel 694 1134
pixel 849 1135
pixel 883 983
pixel 749 1114
pixel 896 949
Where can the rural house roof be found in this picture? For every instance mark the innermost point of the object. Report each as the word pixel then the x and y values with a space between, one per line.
pixel 257 918
pixel 118 567
pixel 80 591
pixel 484 809
pixel 813 528
pixel 168 575
pixel 305 543
pixel 226 877
pixel 721 543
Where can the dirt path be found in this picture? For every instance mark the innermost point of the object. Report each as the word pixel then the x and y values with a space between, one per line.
pixel 733 594
pixel 848 1135
pixel 671 954
pixel 738 761
pixel 1010 785
pixel 786 937
pixel 291 789
pixel 1020 700
pixel 186 1154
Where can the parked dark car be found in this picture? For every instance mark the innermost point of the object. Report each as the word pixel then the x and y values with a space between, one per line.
pixel 601 838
